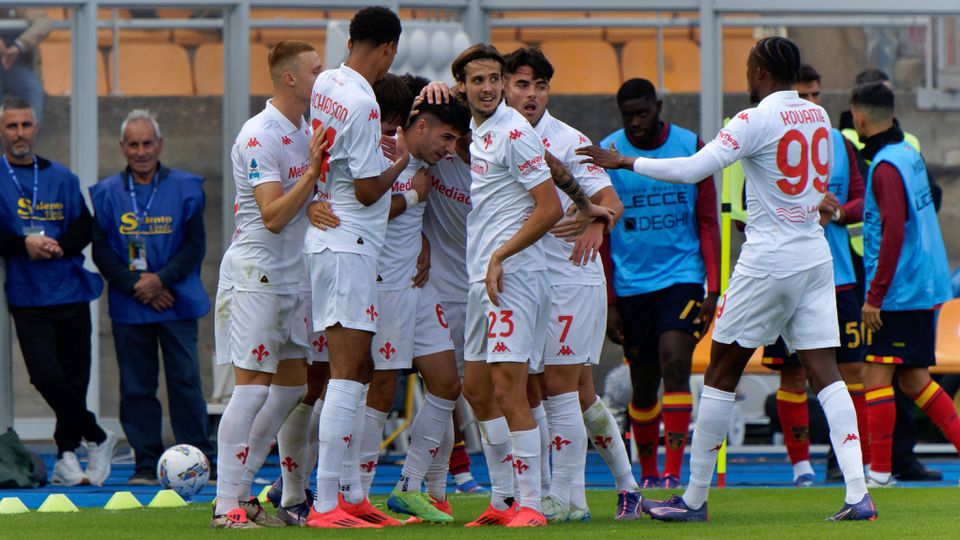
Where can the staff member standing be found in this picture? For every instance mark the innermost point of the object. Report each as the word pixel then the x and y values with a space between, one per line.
pixel 44 225
pixel 148 241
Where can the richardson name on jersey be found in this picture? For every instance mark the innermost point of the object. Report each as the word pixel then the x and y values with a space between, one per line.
pixel 329 106
pixel 449 192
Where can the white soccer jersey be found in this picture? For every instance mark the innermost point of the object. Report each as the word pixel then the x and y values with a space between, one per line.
pixel 506 163
pixel 561 140
pixel 445 226
pixel 269 148
pixel 397 263
pixel 343 101
pixel 784 145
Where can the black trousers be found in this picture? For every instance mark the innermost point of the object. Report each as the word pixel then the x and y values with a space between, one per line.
pixel 55 341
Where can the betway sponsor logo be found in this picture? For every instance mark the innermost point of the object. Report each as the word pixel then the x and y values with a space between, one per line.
pixel 726 138
pixel 479 166
pixel 532 164
pixel 450 192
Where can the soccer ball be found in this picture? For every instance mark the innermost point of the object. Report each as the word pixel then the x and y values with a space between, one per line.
pixel 184 469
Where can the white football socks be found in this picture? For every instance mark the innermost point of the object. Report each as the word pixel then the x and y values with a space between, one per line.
pixel 280 401
pixel 497 450
pixel 313 438
pixel 291 446
pixel 713 423
pixel 568 446
pixel 426 437
pixel 351 487
pixel 539 414
pixel 526 462
pixel 232 435
pixel 604 432
pixel 436 480
pixel 370 445
pixel 842 418
pixel 335 436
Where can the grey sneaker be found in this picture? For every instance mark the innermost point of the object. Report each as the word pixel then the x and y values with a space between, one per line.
pixel 258 515
pixel 294 515
pixel 234 519
pixel 554 510
pixel 877 480
pixel 100 458
pixel 67 471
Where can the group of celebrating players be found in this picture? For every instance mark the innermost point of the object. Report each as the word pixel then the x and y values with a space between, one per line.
pixel 455 231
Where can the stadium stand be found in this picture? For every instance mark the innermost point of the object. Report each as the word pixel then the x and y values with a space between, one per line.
pixel 56 69
pixel 158 69
pixel 574 58
pixel 681 62
pixel 272 36
pixel 208 69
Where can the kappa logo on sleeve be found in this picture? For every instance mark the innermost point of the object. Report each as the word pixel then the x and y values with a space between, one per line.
pixel 286 141
pixel 253 142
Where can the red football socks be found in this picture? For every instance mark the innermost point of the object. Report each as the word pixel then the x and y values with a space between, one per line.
pixel 677 407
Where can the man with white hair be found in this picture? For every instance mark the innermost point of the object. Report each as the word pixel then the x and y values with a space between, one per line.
pixel 148 242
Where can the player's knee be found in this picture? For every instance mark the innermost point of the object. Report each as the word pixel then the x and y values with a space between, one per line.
pixel 449 388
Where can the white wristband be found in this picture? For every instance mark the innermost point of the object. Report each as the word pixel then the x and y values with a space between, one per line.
pixel 411 197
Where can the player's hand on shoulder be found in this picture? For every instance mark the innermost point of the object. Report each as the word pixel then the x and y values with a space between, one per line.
pixel 608 159
pixel 321 215
pixel 318 150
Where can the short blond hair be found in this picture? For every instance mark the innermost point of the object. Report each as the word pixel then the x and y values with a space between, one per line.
pixel 284 54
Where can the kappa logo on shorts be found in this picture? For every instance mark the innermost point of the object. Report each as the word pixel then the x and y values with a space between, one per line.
pixel 289 464
pixel 520 466
pixel 320 344
pixel 242 455
pixel 347 439
pixel 559 442
pixel 716 448
pixel 501 347
pixel 261 352
pixel 565 350
pixel 508 459
pixel 387 350
pixel 286 141
pixel 601 442
pixel 372 312
pixel 515 134
pixel 369 466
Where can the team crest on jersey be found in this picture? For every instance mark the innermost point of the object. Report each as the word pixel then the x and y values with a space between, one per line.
pixel 286 141
pixel 487 140
pixel 253 171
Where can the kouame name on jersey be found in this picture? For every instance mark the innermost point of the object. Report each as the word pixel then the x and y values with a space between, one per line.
pixel 344 105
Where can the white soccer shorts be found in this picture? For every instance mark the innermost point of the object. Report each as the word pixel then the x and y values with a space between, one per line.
pixel 343 288
pixel 802 308
pixel 412 324
pixel 257 330
pixel 577 324
pixel 319 348
pixel 514 331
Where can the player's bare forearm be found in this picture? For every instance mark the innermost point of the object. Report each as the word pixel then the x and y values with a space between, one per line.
pixel 565 182
pixel 546 212
pixel 369 190
pixel 278 208
pixel 608 198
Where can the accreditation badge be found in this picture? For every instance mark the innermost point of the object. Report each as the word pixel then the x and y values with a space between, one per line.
pixel 137 254
pixel 33 231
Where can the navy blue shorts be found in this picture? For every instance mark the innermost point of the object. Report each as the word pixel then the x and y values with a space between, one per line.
pixel 851 336
pixel 907 338
pixel 646 316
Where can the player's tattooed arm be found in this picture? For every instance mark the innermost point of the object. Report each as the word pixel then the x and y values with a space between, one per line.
pixel 565 181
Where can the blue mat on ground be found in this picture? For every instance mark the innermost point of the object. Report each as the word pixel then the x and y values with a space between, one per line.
pixel 742 471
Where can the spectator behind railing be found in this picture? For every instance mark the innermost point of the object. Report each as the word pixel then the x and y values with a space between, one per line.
pixel 20 57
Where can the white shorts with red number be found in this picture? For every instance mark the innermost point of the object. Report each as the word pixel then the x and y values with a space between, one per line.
pixel 455 313
pixel 577 324
pixel 412 325
pixel 318 350
pixel 802 308
pixel 257 330
pixel 515 330
pixel 343 288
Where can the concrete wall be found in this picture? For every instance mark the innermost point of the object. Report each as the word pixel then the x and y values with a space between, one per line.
pixel 192 139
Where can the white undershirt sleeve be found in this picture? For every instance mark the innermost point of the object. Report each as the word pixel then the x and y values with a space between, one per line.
pixel 685 170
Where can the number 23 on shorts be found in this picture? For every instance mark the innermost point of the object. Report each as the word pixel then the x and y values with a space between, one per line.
pixel 505 323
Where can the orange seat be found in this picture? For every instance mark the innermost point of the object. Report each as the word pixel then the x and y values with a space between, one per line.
pixel 701 357
pixel 582 67
pixel 271 36
pixel 208 67
pixel 948 338
pixel 681 63
pixel 160 69
pixel 56 68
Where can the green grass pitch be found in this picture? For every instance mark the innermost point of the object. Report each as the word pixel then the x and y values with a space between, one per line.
pixel 734 513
